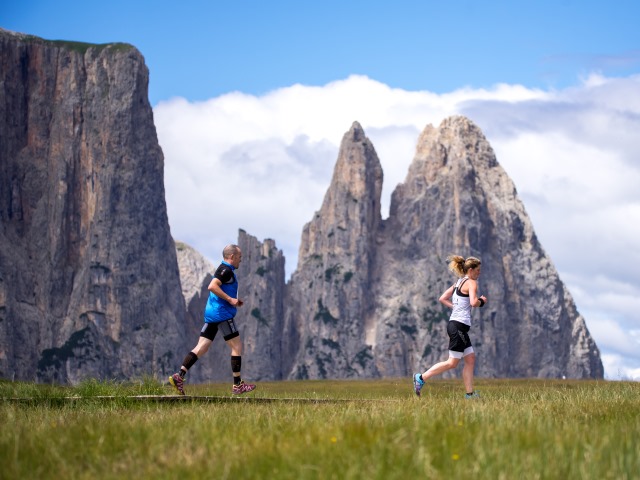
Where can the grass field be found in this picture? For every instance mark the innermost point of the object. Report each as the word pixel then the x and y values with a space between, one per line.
pixel 373 429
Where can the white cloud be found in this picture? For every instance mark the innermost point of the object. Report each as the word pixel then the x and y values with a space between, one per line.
pixel 616 367
pixel 606 299
pixel 264 163
pixel 613 336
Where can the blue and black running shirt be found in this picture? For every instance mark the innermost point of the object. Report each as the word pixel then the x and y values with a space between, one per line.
pixel 217 309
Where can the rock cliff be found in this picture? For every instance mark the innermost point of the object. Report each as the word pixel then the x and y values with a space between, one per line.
pixel 89 283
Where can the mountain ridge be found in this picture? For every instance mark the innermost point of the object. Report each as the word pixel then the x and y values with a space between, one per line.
pixel 92 284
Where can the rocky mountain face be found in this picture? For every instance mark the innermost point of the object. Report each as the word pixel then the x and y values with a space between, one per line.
pixel 89 283
pixel 92 284
pixel 363 301
pixel 456 198
pixel 365 293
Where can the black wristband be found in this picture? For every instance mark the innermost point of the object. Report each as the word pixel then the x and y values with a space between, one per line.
pixel 481 302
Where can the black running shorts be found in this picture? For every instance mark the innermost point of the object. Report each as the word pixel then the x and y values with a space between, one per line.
pixel 459 341
pixel 227 327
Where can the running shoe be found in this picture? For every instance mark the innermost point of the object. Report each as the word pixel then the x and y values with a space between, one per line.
pixel 178 383
pixel 418 383
pixel 242 388
pixel 469 396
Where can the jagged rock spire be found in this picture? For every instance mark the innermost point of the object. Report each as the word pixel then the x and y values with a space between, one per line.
pixel 328 300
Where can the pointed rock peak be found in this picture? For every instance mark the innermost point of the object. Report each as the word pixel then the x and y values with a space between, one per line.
pixel 456 139
pixel 456 126
pixel 355 134
pixel 461 125
pixel 457 121
pixel 356 153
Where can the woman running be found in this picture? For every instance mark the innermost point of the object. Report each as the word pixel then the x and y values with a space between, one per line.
pixel 460 297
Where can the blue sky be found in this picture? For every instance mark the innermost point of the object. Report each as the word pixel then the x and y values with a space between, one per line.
pixel 258 95
pixel 201 49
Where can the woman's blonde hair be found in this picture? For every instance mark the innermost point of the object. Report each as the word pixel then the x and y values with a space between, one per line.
pixel 460 266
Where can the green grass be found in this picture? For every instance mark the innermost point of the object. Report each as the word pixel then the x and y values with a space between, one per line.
pixel 80 47
pixel 519 429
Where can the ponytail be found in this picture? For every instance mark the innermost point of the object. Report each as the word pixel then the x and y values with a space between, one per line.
pixel 456 265
pixel 460 266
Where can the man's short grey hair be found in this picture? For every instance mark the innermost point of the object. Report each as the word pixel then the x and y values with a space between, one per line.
pixel 230 250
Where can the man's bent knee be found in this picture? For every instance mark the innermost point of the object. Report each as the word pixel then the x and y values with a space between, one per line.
pixel 202 346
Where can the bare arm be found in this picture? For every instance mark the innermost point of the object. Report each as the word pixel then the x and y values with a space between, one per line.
pixel 214 287
pixel 474 300
pixel 445 298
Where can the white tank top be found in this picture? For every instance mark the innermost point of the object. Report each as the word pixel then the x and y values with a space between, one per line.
pixel 461 304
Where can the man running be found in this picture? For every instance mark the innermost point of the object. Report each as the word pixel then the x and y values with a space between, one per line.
pixel 218 315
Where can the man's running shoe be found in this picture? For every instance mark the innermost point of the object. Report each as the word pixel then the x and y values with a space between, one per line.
pixel 242 388
pixel 418 383
pixel 469 396
pixel 178 383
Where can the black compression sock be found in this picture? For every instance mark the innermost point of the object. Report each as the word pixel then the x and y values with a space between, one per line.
pixel 189 360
